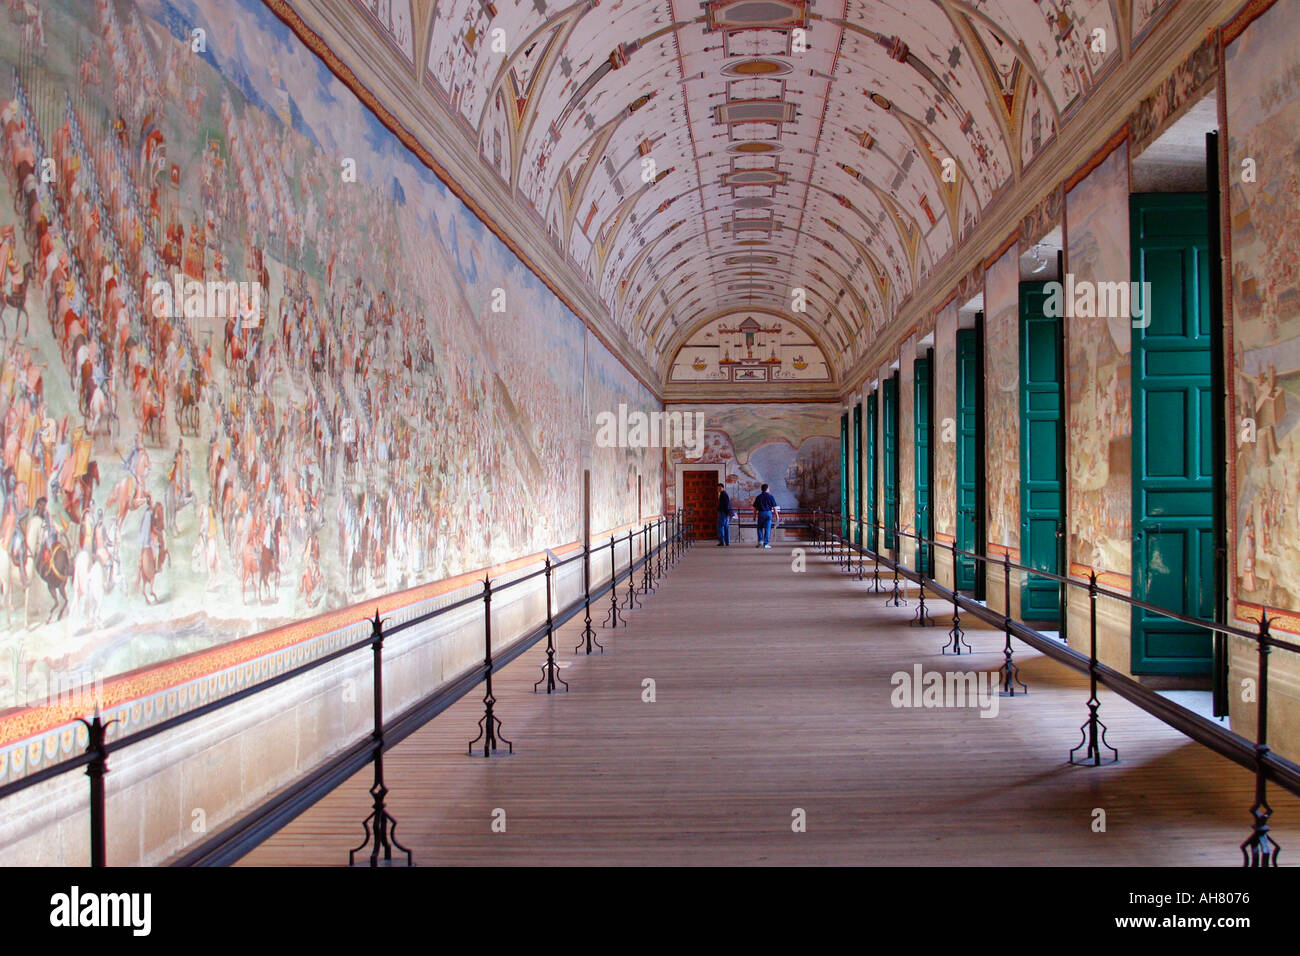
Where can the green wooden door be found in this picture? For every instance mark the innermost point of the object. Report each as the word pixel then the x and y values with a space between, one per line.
pixel 969 385
pixel 889 476
pixel 857 472
pixel 1042 499
pixel 922 390
pixel 844 473
pixel 873 540
pixel 1173 459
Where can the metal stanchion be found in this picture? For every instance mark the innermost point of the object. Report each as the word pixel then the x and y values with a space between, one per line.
pixel 380 824
pixel 489 724
pixel 1260 849
pixel 550 670
pixel 1093 730
pixel 588 632
pixel 612 617
pixel 1010 672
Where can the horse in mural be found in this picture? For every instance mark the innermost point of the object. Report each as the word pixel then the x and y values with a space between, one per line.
pixel 101 411
pixel 52 563
pixel 79 489
pixel 257 566
pixel 15 297
pixel 187 403
pixel 124 498
pixel 153 409
pixel 153 556
pixel 89 584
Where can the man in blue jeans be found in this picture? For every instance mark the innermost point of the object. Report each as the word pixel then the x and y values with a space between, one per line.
pixel 724 517
pixel 764 505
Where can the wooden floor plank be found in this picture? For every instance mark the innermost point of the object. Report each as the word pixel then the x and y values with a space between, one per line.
pixel 773 692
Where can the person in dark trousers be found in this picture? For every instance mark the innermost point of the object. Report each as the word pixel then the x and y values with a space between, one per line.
pixel 764 505
pixel 724 518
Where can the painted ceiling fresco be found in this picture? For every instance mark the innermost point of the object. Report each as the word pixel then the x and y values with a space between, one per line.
pixel 687 155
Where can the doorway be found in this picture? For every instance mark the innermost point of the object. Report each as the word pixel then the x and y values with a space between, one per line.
pixel 700 501
pixel 873 539
pixel 889 478
pixel 1042 455
pixel 922 392
pixel 1173 434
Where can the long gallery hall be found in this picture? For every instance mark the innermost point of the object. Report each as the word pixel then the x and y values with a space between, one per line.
pixel 650 433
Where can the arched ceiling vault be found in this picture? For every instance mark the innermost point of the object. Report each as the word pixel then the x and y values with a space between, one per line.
pixel 690 157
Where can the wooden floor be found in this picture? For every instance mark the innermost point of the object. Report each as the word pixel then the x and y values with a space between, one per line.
pixel 773 692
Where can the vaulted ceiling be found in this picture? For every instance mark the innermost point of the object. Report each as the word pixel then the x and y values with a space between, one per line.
pixel 689 158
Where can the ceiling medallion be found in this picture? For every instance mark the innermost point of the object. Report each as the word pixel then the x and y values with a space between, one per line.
pixel 752 202
pixel 756 67
pixel 754 146
pixel 754 177
pixel 741 14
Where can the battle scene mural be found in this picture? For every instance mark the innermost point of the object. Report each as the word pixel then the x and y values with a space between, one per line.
pixel 256 361
pixel 1262 88
pixel 1002 401
pixel 1099 416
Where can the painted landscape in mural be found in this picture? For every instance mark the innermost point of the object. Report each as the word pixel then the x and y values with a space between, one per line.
pixel 795 449
pixel 349 417
pixel 1263 97
pixel 1002 400
pixel 1100 418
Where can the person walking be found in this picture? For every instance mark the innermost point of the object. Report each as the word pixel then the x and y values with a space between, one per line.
pixel 724 517
pixel 764 505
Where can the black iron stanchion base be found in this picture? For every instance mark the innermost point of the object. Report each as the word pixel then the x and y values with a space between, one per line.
pixel 630 603
pixel 1010 678
pixel 896 598
pixel 875 582
pixel 1261 849
pixel 956 638
pixel 489 731
pixel 613 617
pixel 382 829
pixel 1093 736
pixel 550 676
pixel 588 635
pixel 921 618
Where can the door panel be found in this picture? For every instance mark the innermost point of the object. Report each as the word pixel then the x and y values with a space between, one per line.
pixel 1173 415
pixel 844 473
pixel 873 539
pixel 1042 498
pixel 857 472
pixel 967 455
pixel 922 391
pixel 889 478
pixel 700 501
